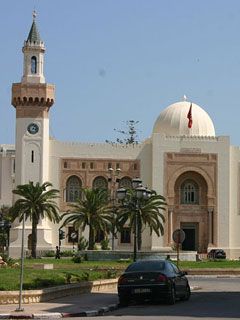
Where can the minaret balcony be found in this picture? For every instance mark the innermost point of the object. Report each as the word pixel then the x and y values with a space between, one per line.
pixel 29 94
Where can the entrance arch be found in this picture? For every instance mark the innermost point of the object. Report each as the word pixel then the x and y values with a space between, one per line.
pixel 190 210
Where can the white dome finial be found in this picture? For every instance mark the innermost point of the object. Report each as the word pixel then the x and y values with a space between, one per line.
pixel 184 97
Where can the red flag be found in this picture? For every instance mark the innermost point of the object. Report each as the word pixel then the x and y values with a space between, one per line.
pixel 189 116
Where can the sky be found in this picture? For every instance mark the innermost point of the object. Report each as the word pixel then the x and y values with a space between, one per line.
pixel 119 60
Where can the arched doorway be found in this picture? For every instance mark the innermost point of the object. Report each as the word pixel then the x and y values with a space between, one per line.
pixel 190 210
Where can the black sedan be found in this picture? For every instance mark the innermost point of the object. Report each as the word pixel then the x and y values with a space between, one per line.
pixel 217 254
pixel 154 280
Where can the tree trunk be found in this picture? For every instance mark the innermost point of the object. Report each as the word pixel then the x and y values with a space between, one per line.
pixel 91 239
pixel 34 239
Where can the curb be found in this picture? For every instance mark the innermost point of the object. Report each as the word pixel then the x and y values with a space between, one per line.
pixel 56 315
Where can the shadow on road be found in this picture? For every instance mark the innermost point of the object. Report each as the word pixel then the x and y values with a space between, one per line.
pixel 77 303
pixel 200 305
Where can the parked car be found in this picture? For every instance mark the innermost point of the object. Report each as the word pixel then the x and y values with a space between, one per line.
pixel 155 280
pixel 216 254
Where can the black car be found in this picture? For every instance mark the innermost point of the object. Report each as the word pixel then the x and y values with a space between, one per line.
pixel 217 254
pixel 153 279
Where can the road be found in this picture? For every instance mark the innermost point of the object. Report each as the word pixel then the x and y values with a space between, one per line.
pixel 218 298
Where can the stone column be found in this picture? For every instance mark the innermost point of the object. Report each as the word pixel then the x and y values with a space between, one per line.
pixel 170 224
pixel 210 226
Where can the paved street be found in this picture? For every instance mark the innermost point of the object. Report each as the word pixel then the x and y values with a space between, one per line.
pixel 218 298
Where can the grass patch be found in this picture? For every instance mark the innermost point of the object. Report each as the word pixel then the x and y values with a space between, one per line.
pixel 209 264
pixel 66 271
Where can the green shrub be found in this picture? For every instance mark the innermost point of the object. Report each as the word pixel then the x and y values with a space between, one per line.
pixel 82 244
pixel 48 254
pixel 72 278
pixel 85 276
pixel 9 261
pixel 67 253
pixel 42 283
pixel 111 273
pixel 77 259
pixel 105 244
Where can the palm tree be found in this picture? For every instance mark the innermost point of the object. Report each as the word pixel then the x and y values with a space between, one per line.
pixel 138 213
pixel 91 210
pixel 35 203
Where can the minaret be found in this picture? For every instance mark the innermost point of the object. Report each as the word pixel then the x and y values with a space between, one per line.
pixel 32 98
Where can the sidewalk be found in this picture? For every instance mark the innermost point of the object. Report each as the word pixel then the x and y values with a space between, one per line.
pixel 83 305
pixel 79 305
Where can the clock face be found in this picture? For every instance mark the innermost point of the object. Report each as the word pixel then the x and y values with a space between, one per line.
pixel 33 128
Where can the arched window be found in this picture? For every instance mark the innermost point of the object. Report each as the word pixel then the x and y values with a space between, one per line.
pixel 100 183
pixel 33 65
pixel 125 182
pixel 189 192
pixel 73 189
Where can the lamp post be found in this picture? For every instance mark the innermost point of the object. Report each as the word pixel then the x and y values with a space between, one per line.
pixel 113 180
pixel 20 308
pixel 140 192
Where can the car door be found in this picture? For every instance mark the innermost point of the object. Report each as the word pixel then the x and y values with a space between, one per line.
pixel 180 280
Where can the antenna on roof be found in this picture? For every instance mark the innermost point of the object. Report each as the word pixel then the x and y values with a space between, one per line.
pixel 34 14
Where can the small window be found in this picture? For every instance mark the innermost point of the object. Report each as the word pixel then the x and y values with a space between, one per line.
pixel 126 183
pixel 73 189
pixel 117 166
pixel 189 192
pixel 100 183
pixel 126 235
pixel 65 164
pixel 91 165
pixel 109 165
pixel 32 157
pixel 83 165
pixel 135 166
pixel 33 65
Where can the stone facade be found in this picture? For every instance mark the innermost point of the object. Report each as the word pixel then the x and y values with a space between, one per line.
pixel 201 168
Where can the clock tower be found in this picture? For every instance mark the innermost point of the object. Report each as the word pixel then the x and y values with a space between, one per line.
pixel 32 99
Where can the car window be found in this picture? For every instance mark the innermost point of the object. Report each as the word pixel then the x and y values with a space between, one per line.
pixel 147 266
pixel 175 268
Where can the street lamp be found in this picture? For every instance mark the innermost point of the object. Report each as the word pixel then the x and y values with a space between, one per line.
pixel 140 192
pixel 113 180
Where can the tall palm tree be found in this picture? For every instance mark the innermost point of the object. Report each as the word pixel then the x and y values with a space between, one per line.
pixel 91 210
pixel 138 213
pixel 35 203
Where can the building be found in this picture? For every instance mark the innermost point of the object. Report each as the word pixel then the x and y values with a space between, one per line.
pixel 195 170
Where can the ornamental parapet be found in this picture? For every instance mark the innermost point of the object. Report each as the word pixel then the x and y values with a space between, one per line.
pixel 26 94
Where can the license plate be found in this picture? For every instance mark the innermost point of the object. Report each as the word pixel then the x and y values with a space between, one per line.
pixel 142 290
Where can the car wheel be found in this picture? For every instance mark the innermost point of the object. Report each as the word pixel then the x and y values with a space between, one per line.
pixel 123 302
pixel 172 297
pixel 187 294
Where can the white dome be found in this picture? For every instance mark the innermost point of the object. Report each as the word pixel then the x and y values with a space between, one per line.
pixel 173 121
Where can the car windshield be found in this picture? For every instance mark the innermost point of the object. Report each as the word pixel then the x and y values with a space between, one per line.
pixel 146 266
